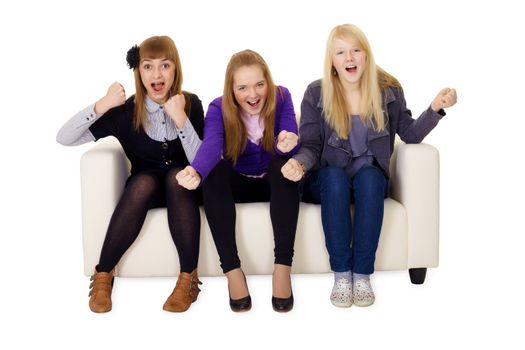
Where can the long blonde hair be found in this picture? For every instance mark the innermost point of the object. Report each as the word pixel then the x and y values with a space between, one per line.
pixel 373 80
pixel 153 48
pixel 235 130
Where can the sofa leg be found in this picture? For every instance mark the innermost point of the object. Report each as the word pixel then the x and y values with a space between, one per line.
pixel 417 276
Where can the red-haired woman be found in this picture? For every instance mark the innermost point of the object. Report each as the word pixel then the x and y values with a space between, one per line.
pixel 250 133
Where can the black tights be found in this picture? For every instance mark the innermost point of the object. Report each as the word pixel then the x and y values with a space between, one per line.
pixel 145 191
pixel 224 187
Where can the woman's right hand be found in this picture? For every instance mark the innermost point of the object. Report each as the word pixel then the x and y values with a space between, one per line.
pixel 188 178
pixel 115 96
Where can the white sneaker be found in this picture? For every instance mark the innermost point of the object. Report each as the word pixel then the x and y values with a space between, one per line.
pixel 342 293
pixel 363 293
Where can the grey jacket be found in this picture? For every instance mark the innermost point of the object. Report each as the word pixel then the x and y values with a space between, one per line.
pixel 321 146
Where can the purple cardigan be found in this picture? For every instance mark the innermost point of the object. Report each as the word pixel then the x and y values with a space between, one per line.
pixel 254 160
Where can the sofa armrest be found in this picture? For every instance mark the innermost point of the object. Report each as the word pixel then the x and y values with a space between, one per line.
pixel 103 173
pixel 415 184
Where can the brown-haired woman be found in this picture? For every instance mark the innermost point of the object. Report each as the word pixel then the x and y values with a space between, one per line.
pixel 160 129
pixel 250 133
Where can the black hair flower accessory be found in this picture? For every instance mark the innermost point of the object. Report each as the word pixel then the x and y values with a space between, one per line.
pixel 133 57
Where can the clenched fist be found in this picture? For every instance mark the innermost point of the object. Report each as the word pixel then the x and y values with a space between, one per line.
pixel 292 170
pixel 446 98
pixel 188 178
pixel 174 107
pixel 115 96
pixel 286 141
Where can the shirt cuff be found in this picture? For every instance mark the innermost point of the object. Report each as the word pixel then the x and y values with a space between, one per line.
pixel 186 133
pixel 189 139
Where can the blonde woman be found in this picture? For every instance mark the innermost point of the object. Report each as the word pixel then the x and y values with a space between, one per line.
pixel 349 121
pixel 160 129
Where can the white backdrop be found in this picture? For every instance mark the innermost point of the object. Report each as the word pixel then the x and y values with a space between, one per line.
pixel 56 58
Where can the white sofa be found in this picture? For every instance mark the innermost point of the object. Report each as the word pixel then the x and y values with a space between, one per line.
pixel 409 237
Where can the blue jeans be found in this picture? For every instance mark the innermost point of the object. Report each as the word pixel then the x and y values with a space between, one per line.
pixel 351 245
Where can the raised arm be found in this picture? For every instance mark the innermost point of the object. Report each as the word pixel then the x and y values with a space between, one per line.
pixel 414 130
pixel 76 130
pixel 189 128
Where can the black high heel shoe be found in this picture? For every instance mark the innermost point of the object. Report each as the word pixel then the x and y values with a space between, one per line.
pixel 243 304
pixel 282 304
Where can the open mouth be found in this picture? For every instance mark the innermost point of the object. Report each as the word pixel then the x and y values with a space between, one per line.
pixel 351 69
pixel 157 87
pixel 254 104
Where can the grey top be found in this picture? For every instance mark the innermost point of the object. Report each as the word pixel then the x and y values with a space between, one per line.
pixel 160 127
pixel 358 138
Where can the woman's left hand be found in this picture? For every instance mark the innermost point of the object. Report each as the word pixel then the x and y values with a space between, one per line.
pixel 446 98
pixel 174 107
pixel 286 141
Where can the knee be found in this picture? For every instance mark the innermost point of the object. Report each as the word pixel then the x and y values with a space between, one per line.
pixel 172 184
pixel 370 182
pixel 218 177
pixel 142 186
pixel 334 180
pixel 275 165
pixel 277 162
pixel 274 171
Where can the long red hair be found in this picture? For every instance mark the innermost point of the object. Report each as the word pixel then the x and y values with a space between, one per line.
pixel 235 131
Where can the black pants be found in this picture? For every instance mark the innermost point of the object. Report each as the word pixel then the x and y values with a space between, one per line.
pixel 146 191
pixel 224 187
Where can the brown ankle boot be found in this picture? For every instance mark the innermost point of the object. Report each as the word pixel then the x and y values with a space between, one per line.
pixel 100 293
pixel 185 292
